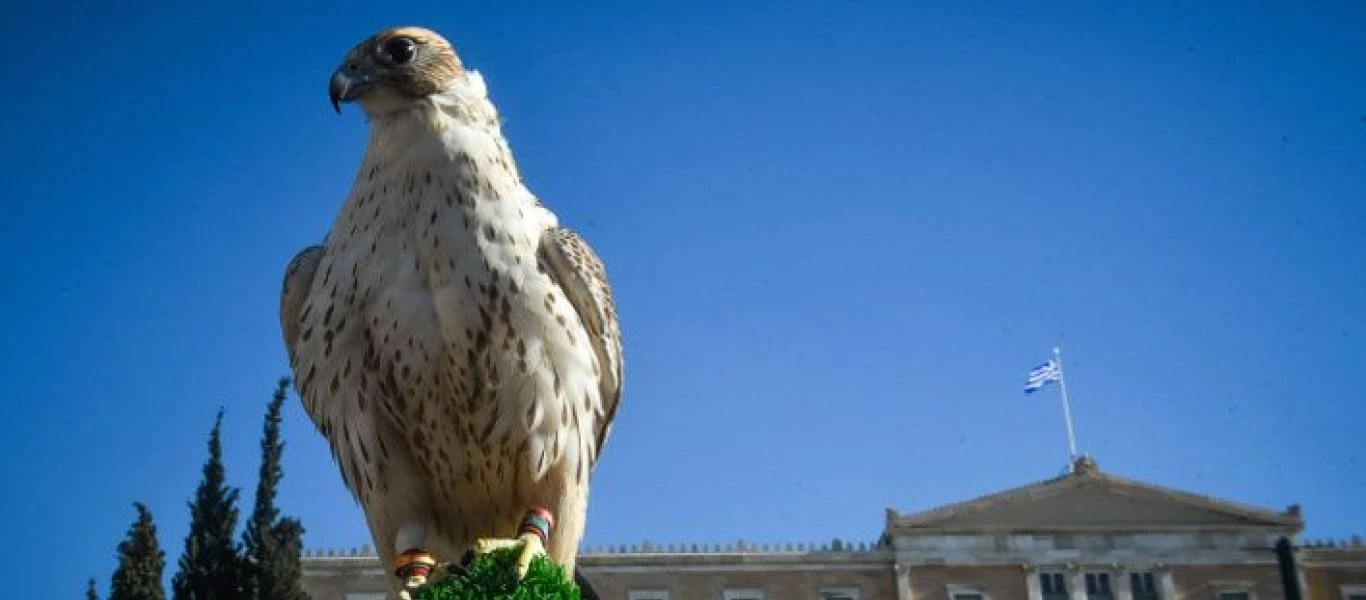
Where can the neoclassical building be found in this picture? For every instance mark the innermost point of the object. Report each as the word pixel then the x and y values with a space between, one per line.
pixel 1086 535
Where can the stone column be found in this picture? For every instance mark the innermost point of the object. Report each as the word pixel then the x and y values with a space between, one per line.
pixel 1123 591
pixel 1032 582
pixel 1076 584
pixel 903 583
pixel 1167 585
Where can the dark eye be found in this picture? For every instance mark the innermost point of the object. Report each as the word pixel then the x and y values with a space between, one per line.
pixel 399 50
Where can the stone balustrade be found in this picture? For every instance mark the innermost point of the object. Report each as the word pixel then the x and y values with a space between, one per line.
pixel 648 547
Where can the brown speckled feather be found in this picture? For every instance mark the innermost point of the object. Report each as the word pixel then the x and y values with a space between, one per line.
pixel 580 273
pixel 298 278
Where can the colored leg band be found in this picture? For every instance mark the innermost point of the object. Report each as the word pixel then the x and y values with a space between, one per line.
pixel 538 521
pixel 414 563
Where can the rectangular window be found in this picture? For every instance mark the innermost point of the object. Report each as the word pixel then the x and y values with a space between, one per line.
pixel 1235 595
pixel 743 594
pixel 968 596
pixel 366 596
pixel 655 594
pixel 1053 586
pixel 839 594
pixel 1144 586
pixel 1098 587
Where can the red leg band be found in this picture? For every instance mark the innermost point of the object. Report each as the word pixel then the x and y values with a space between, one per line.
pixel 414 563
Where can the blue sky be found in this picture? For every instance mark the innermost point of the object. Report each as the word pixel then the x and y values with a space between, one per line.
pixel 839 237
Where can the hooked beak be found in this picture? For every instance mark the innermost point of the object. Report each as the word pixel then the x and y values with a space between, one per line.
pixel 345 87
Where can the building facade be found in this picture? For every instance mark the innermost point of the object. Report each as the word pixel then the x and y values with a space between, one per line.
pixel 1335 570
pixel 1087 535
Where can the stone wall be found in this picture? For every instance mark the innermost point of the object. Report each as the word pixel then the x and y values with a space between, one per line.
pixel 1204 581
pixel 1328 567
pixel 709 585
pixel 1000 582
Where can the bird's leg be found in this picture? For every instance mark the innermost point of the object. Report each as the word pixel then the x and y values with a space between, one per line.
pixel 532 536
pixel 413 566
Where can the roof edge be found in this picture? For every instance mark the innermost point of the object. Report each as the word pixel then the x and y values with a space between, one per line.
pixel 1085 470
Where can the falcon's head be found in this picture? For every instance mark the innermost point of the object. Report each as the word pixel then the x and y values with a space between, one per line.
pixel 392 68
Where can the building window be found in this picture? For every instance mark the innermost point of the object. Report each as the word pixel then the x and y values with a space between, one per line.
pixel 654 594
pixel 1235 595
pixel 963 592
pixel 366 596
pixel 839 594
pixel 1144 586
pixel 1053 586
pixel 1098 586
pixel 743 594
pixel 1353 591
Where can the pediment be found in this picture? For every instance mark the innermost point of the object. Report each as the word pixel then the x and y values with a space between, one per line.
pixel 1092 500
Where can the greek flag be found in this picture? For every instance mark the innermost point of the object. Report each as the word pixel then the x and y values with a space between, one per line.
pixel 1042 375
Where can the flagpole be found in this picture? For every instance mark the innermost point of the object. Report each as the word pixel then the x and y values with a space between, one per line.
pixel 1066 408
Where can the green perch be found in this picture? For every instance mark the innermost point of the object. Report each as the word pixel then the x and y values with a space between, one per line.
pixel 492 577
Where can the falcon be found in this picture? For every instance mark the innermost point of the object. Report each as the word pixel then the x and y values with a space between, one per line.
pixel 457 347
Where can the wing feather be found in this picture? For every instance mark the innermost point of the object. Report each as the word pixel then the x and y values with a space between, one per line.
pixel 293 292
pixel 573 265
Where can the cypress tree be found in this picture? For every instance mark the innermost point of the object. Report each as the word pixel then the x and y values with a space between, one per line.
pixel 90 590
pixel 272 543
pixel 141 562
pixel 210 568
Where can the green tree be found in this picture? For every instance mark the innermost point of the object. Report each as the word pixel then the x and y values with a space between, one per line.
pixel 210 567
pixel 90 593
pixel 272 543
pixel 141 562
